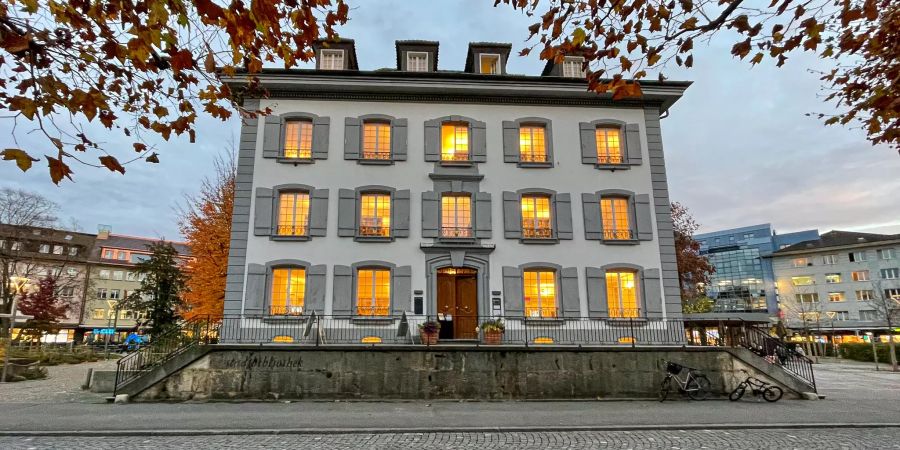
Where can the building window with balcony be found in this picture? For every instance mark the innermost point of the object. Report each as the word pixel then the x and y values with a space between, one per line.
pixel 298 139
pixel 886 253
pixel 417 62
pixel 801 262
pixel 455 141
pixel 293 214
pixel 860 275
pixel 532 144
pixel 621 294
pixel 890 274
pixel 332 60
pixel 376 140
pixel 609 145
pixel 288 291
pixel 572 67
pixel 865 295
pixel 807 298
pixel 803 280
pixel 539 293
pixel 375 215
pixel 832 278
pixel 615 214
pixel 456 216
pixel 373 291
pixel 536 217
pixel 835 296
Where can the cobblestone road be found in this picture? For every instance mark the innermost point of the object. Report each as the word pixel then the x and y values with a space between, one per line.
pixel 819 439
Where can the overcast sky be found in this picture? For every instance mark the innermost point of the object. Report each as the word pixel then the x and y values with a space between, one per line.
pixel 739 148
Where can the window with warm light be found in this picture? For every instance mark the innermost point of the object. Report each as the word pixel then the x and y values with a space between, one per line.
pixel 864 295
pixel 376 140
pixel 373 292
pixel 832 278
pixel 801 262
pixel 892 294
pixel 417 62
pixel 835 296
pixel 375 215
pixel 536 222
pixel 490 64
pixel 298 139
pixel 614 212
pixel 860 275
pixel 540 293
pixel 293 214
pixel 98 313
pixel 572 67
pixel 332 60
pixel 803 280
pixel 456 216
pixel 288 291
pixel 455 141
pixel 532 147
pixel 609 145
pixel 621 294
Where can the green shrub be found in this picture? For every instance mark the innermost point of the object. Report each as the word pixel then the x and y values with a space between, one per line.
pixel 863 352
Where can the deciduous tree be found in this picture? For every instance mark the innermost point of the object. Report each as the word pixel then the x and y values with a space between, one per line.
pixel 138 68
pixel 162 287
pixel 625 40
pixel 46 306
pixel 693 268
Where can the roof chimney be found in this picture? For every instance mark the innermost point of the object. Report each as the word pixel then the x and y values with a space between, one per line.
pixel 103 231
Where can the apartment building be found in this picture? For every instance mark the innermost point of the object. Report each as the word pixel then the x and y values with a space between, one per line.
pixel 459 195
pixel 835 281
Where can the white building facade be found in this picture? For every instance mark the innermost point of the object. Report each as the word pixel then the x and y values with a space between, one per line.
pixel 455 195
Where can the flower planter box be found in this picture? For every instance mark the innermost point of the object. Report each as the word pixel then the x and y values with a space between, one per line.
pixel 493 337
pixel 428 338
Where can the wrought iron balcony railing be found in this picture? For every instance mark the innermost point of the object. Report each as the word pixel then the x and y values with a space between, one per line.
pixel 618 235
pixel 456 232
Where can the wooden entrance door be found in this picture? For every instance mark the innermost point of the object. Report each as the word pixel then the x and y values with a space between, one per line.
pixel 457 302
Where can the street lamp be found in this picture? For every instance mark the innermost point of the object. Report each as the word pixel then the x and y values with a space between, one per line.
pixel 18 285
pixel 874 350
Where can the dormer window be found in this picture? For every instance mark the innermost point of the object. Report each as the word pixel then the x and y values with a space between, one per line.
pixel 417 61
pixel 490 64
pixel 332 60
pixel 573 67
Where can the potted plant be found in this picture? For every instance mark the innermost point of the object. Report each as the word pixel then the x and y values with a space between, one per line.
pixel 493 331
pixel 429 332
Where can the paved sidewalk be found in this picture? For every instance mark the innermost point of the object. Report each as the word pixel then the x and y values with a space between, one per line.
pixel 63 385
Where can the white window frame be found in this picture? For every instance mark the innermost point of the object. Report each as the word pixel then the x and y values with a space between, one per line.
pixel 57 249
pixel 44 248
pixel 871 313
pixel 118 275
pixel 892 271
pixel 796 262
pixel 570 59
pixel 869 295
pixel 840 295
pixel 72 272
pixel 829 275
pixel 829 260
pixel 860 256
pixel 859 275
pixel 891 293
pixel 105 274
pixel 332 52
pixel 886 253
pixel 497 70
pixel 409 57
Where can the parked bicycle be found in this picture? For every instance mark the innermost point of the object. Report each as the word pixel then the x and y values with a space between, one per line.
pixel 759 388
pixel 694 383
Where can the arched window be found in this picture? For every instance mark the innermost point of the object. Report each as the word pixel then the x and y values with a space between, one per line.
pixel 376 140
pixel 298 139
pixel 532 143
pixel 293 214
pixel 536 217
pixel 615 214
pixel 609 145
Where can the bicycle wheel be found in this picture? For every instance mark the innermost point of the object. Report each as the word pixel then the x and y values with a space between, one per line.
pixel 698 387
pixel 737 393
pixel 772 394
pixel 664 389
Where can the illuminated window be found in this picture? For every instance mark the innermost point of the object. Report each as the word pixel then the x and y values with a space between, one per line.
pixel 803 280
pixel 614 212
pixel 298 139
pixel 892 294
pixel 293 213
pixel 835 296
pixel 532 147
pixel 621 294
pixel 417 62
pixel 809 316
pixel 536 217
pixel 456 216
pixel 801 262
pixel 373 292
pixel 832 278
pixel 332 60
pixel 98 314
pixel 572 67
pixel 865 295
pixel 490 64
pixel 455 141
pixel 375 216
pixel 540 293
pixel 807 298
pixel 376 140
pixel 609 145
pixel 288 291
pixel 860 275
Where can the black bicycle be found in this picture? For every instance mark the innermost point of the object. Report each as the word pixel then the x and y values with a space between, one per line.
pixel 694 383
pixel 759 388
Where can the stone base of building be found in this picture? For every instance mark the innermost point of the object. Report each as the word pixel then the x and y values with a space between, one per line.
pixel 231 372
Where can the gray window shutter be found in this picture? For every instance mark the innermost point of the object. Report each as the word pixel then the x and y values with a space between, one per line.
pixel 398 139
pixel 510 141
pixel 315 289
pixel 401 289
pixel 513 303
pixel 633 143
pixel 255 294
pixel 352 138
pixel 651 288
pixel 512 216
pixel 262 216
pixel 571 301
pixel 342 291
pixel 593 226
pixel 588 143
pixel 320 137
pixel 433 140
pixel 595 280
pixel 318 212
pixel 431 214
pixel 400 214
pixel 483 215
pixel 644 217
pixel 346 213
pixel 479 141
pixel 564 216
pixel 272 137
